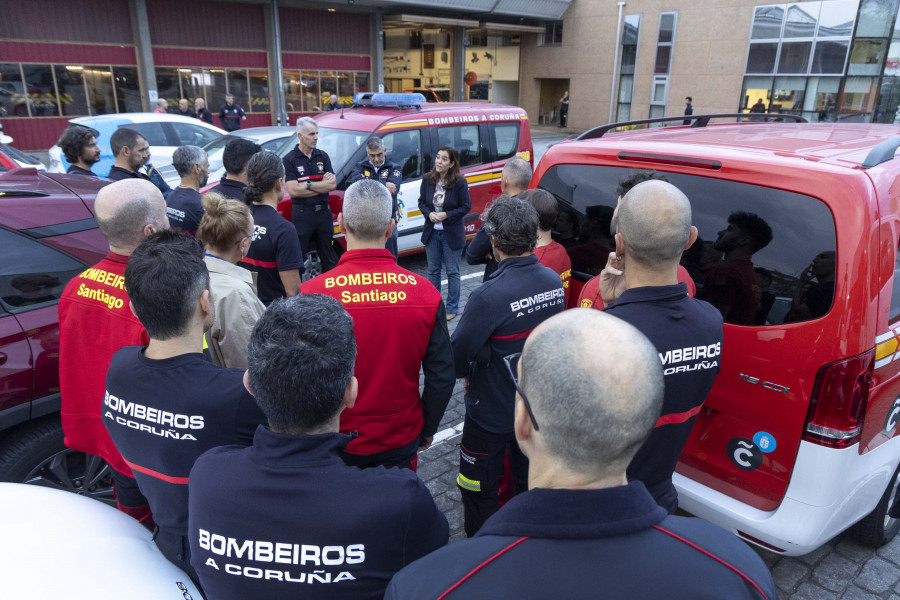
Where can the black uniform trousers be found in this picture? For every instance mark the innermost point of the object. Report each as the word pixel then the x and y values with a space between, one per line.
pixel 314 223
pixel 177 551
pixel 480 465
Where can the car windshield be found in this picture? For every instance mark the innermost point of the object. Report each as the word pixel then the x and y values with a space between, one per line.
pixel 338 144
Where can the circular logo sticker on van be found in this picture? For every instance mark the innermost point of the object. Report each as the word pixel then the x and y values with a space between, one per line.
pixel 893 417
pixel 765 441
pixel 744 454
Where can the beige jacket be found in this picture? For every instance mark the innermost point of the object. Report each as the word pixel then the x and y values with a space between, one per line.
pixel 236 310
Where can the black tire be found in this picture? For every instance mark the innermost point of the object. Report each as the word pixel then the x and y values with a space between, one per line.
pixel 36 455
pixel 878 527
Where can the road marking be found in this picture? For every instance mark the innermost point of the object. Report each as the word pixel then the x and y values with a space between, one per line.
pixel 445 434
pixel 469 276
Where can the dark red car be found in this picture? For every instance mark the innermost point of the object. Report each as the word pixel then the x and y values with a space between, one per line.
pixel 47 235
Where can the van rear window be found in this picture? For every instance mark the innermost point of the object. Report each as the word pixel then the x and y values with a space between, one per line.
pixel 763 257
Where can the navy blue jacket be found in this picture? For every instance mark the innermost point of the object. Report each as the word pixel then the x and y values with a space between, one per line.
pixel 230 188
pixel 457 205
pixel 498 317
pixel 687 334
pixel 476 251
pixel 184 207
pixel 286 518
pixel 388 172
pixel 572 544
pixel 163 414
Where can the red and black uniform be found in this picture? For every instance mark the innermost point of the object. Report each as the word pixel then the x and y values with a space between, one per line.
pixel 312 216
pixel 554 256
pixel 400 325
pixel 687 334
pixel 95 321
pixel 606 543
pixel 275 248
pixel 184 207
pixel 162 415
pixel 230 117
pixel 590 294
pixel 498 317
pixel 732 287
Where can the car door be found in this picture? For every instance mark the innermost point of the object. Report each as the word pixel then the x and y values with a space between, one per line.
pixel 409 150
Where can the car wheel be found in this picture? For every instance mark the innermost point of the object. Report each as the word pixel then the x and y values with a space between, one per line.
pixel 37 455
pixel 312 266
pixel 879 527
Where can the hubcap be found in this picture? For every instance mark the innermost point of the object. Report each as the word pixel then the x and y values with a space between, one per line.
pixel 76 472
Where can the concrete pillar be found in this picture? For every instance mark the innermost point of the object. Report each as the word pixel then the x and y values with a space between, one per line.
pixel 458 65
pixel 377 36
pixel 273 50
pixel 140 26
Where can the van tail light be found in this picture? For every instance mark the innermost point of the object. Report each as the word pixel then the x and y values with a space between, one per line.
pixel 839 399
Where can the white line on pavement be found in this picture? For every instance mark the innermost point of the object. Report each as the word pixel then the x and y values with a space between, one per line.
pixel 445 434
pixel 469 276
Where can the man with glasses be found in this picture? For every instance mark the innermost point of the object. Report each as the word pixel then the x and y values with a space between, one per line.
pixel 584 531
pixel 380 168
pixel 652 225
pixel 497 318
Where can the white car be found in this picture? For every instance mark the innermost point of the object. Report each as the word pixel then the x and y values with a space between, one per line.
pixel 269 138
pixel 22 159
pixel 60 545
pixel 164 132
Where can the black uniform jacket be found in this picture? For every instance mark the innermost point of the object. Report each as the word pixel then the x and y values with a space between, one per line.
pixel 287 519
pixel 687 333
pixel 573 544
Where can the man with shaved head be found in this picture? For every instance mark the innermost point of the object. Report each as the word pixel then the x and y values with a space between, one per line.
pixel 514 180
pixel 400 324
pixel 95 321
pixel 652 225
pixel 580 416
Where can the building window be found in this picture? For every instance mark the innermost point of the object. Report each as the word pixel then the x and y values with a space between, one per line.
pixel 552 34
pixel 630 37
pixel 41 89
pixel 662 67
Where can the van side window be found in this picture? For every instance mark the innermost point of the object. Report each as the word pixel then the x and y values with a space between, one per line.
pixel 506 139
pixel 466 140
pixel 404 149
pixel 32 275
pixel 894 315
pixel 763 257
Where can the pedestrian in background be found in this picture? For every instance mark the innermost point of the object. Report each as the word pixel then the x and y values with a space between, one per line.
pixel 184 109
pixel 162 106
pixel 202 112
pixel 688 109
pixel 226 231
pixel 231 115
pixel 444 202
pixel 564 110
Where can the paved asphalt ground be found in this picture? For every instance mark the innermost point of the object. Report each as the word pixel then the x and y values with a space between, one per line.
pixel 841 569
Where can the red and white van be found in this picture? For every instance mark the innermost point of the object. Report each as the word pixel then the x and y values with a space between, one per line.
pixel 486 136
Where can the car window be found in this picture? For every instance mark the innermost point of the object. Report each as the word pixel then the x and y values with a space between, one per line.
pixel 466 141
pixel 32 275
pixel 188 134
pixel 788 276
pixel 404 149
pixel 272 145
pixel 506 139
pixel 153 132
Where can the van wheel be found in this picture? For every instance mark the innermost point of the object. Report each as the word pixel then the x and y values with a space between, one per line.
pixel 37 455
pixel 879 527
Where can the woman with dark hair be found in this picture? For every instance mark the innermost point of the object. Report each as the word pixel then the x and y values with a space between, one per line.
pixel 275 254
pixel 226 231
pixel 444 202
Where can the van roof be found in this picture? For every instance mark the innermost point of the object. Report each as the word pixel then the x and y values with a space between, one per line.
pixel 369 119
pixel 839 144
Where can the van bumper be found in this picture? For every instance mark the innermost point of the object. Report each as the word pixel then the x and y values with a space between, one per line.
pixel 829 491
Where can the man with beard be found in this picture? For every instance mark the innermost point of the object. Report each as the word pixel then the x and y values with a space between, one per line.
pixel 132 151
pixel 79 145
pixel 183 206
